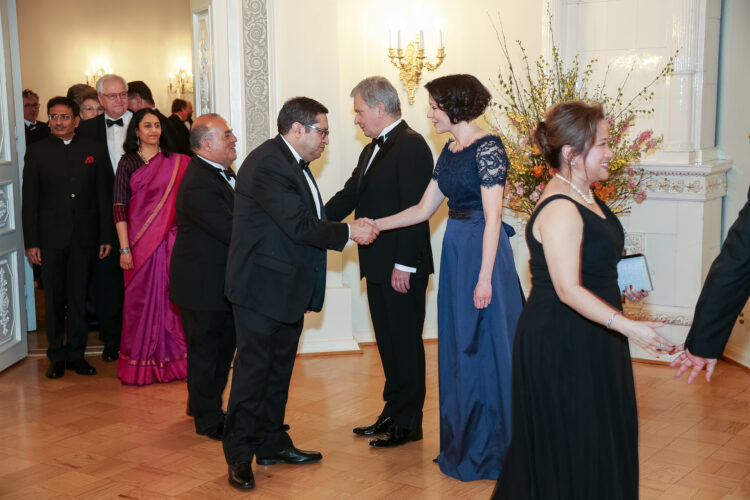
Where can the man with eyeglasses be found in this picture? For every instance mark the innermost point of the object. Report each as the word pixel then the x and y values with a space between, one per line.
pixel 276 272
pixel 35 130
pixel 66 216
pixel 109 130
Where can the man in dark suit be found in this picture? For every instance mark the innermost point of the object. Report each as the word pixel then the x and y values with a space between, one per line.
pixel 276 272
pixel 205 200
pixel 108 129
pixel 140 97
pixel 66 212
pixel 181 110
pixel 35 130
pixel 391 175
pixel 724 294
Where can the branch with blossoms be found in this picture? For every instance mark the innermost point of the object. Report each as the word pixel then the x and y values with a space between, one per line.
pixel 526 94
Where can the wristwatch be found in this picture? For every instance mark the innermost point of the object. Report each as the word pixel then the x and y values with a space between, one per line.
pixel 124 250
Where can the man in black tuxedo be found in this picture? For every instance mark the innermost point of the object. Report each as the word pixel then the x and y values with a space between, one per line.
pixel 181 111
pixel 108 129
pixel 140 97
pixel 205 200
pixel 276 272
pixel 724 294
pixel 66 212
pixel 35 130
pixel 391 175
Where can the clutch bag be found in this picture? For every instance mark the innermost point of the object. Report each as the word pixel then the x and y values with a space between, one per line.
pixel 633 270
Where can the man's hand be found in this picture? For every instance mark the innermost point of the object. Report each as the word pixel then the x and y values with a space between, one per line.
pixel 363 231
pixel 35 255
pixel 104 250
pixel 687 360
pixel 400 280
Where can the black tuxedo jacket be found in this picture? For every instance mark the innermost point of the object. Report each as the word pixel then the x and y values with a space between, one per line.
pixel 277 256
pixel 204 228
pixel 96 130
pixel 724 293
pixel 39 132
pixel 181 135
pixel 67 197
pixel 396 180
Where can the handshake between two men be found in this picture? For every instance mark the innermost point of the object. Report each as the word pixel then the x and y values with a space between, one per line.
pixel 363 231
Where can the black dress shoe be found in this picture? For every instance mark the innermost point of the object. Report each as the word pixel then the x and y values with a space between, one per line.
pixel 241 476
pixel 381 426
pixel 216 432
pixel 291 455
pixel 56 369
pixel 81 367
pixel 110 354
pixel 397 436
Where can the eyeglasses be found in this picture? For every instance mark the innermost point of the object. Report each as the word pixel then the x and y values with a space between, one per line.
pixel 112 97
pixel 55 116
pixel 323 131
pixel 92 108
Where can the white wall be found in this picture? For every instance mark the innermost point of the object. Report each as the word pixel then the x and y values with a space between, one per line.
pixel 142 39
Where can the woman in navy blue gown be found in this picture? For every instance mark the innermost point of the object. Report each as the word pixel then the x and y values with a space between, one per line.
pixel 479 298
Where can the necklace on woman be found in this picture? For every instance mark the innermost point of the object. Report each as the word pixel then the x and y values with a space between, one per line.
pixel 588 199
pixel 146 160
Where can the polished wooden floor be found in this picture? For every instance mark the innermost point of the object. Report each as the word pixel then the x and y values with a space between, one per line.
pixel 91 437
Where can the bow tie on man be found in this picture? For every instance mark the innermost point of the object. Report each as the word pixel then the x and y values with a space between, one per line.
pixel 117 122
pixel 378 141
pixel 229 173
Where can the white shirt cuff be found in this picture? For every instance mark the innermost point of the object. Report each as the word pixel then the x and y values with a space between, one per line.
pixel 405 268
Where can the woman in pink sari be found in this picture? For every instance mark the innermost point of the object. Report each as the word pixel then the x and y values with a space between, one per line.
pixel 153 343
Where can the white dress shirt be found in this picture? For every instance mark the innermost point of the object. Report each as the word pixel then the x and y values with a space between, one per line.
pixel 116 137
pixel 231 180
pixel 313 189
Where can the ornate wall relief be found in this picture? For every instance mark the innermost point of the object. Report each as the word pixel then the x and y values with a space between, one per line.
pixel 203 50
pixel 256 91
pixel 8 298
pixel 689 182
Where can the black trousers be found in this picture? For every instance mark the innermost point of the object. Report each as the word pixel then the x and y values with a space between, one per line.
pixel 398 320
pixel 263 366
pixel 65 273
pixel 210 339
pixel 110 293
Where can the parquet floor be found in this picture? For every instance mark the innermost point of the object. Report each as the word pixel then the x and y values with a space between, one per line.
pixel 91 437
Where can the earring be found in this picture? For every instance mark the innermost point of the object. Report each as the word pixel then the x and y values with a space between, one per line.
pixel 138 141
pixel 572 163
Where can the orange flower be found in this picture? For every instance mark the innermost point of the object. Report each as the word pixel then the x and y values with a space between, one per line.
pixel 538 170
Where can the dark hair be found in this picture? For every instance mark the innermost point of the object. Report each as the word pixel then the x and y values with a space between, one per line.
pixel 28 93
pixel 79 90
pixel 571 123
pixel 299 109
pixel 462 97
pixel 178 105
pixel 140 89
pixel 86 94
pixel 131 140
pixel 63 101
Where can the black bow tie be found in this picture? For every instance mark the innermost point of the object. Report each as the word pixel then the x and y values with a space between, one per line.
pixel 304 165
pixel 229 173
pixel 117 122
pixel 379 141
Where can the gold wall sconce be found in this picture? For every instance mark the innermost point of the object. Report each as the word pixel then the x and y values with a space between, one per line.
pixel 181 82
pixel 411 61
pixel 98 70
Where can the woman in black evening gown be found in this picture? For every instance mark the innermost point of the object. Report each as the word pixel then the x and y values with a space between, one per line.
pixel 575 425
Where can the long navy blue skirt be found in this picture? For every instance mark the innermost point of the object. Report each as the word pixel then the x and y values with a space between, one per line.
pixel 475 348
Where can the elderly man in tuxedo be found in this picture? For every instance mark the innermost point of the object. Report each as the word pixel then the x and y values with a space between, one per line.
pixel 391 175
pixel 35 130
pixel 108 129
pixel 205 200
pixel 276 272
pixel 181 111
pixel 724 294
pixel 67 220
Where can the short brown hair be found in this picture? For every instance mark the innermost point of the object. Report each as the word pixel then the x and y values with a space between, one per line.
pixel 571 123
pixel 462 97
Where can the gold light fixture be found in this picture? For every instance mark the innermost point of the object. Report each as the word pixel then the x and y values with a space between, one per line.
pixel 411 61
pixel 98 69
pixel 181 82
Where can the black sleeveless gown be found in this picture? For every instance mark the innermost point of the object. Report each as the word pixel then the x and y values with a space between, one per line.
pixel 575 423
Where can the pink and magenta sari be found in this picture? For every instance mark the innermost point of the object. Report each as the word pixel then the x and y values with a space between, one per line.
pixel 153 343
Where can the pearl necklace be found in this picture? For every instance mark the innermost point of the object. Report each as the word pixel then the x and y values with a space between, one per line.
pixel 589 199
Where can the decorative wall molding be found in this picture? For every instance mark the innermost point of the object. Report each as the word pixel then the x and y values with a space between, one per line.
pixel 256 77
pixel 687 182
pixel 635 243
pixel 203 63
pixel 9 307
pixel 677 316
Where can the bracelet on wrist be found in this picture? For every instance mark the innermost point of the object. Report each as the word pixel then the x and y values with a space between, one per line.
pixel 124 250
pixel 611 319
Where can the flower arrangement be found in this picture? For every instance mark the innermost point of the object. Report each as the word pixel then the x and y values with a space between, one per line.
pixel 526 96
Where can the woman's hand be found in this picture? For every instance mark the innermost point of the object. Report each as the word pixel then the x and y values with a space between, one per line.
pixel 482 294
pixel 644 334
pixel 126 261
pixel 634 295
